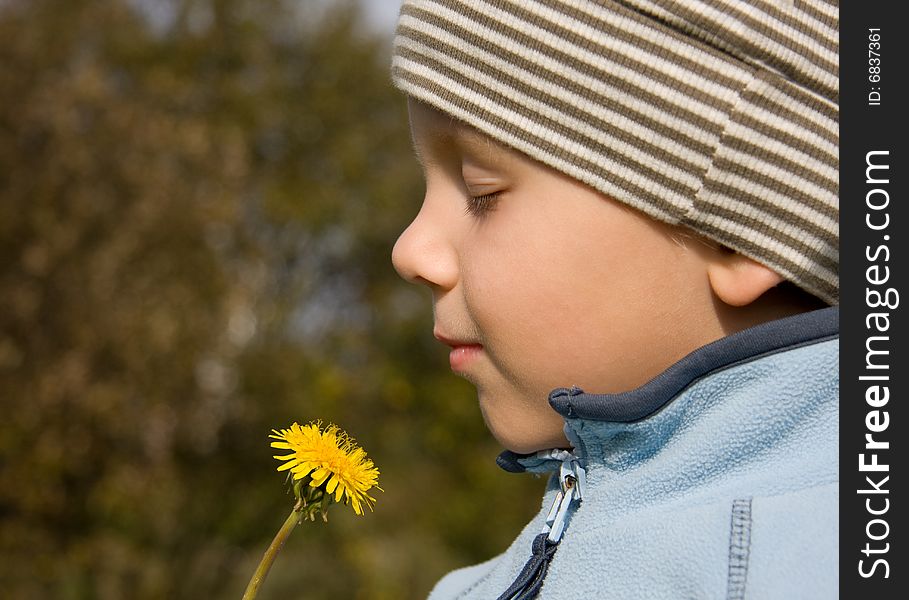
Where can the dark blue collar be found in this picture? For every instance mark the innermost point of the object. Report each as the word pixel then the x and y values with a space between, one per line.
pixel 747 345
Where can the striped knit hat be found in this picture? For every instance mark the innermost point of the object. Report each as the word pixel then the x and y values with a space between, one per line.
pixel 719 115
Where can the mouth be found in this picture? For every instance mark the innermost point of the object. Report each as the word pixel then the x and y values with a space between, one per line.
pixel 461 357
pixel 463 352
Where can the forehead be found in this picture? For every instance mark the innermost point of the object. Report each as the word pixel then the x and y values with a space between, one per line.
pixel 436 133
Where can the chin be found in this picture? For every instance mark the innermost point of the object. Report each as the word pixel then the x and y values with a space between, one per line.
pixel 524 433
pixel 527 442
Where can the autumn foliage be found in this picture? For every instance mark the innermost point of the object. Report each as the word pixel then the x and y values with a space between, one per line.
pixel 198 201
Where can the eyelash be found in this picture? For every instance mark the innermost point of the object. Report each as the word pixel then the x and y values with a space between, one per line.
pixel 480 206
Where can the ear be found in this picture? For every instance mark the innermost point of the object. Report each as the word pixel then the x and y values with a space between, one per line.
pixel 738 280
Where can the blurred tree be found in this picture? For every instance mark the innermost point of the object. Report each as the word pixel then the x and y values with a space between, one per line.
pixel 198 200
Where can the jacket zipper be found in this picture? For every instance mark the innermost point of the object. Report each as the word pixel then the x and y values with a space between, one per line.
pixel 572 483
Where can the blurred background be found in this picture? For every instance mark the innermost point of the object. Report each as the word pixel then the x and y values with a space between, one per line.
pixel 198 200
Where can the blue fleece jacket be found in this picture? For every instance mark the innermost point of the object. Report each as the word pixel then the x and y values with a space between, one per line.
pixel 717 479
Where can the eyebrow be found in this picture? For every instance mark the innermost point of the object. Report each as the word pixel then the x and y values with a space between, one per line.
pixel 462 136
pixel 476 143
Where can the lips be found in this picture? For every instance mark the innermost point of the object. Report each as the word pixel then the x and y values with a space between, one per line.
pixel 463 352
pixel 461 357
pixel 453 342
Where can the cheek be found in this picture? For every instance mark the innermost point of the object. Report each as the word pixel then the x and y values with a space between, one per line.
pixel 506 291
pixel 571 303
pixel 527 302
pixel 574 296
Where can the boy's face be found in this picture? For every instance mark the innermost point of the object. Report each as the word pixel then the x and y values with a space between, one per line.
pixel 547 282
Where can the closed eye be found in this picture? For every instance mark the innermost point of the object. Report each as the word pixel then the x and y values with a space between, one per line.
pixel 480 206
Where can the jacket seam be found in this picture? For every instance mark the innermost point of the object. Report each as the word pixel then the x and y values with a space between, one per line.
pixel 739 549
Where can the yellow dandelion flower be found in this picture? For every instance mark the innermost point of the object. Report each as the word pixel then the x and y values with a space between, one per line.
pixel 330 458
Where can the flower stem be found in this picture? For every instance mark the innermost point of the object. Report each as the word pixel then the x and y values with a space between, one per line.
pixel 252 589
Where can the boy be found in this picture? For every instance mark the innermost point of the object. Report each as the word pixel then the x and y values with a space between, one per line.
pixel 630 231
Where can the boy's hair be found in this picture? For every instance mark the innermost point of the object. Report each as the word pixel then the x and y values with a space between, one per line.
pixel 718 115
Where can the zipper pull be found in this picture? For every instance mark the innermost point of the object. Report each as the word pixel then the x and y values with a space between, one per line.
pixel 572 483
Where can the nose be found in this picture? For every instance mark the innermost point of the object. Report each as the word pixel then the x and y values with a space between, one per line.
pixel 425 253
